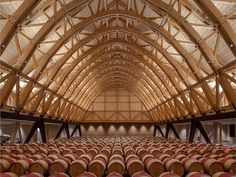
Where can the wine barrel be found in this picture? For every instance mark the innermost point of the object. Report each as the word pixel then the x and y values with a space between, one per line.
pixel 86 157
pixel 5 151
pixel 102 157
pixel 93 152
pixel 77 167
pixel 114 175
pixel 146 158
pixel 4 165
pixel 98 167
pixel 32 175
pixel 192 165
pixel 17 151
pixel 54 151
pixel 40 166
pixel 20 167
pixel 30 151
pixel 87 174
pixel 223 174
pixel 175 166
pixel 179 157
pixel 154 167
pixel 131 156
pixel 230 151
pixel 117 166
pixel 53 157
pixel 162 157
pixel 141 174
pixel 38 156
pixel 197 174
pixel 8 174
pixel 155 152
pixel 169 152
pixel 134 166
pixel 217 151
pixel 229 164
pixel 59 175
pixel 212 166
pixel 116 156
pixel 169 174
pixel 79 152
pixel 58 166
pixel 70 157
pixel 142 152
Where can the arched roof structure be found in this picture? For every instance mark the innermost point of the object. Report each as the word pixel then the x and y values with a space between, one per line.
pixel 177 56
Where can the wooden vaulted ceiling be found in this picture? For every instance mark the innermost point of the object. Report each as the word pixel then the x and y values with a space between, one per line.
pixel 177 56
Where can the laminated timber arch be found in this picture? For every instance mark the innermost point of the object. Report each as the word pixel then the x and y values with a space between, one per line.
pixel 58 48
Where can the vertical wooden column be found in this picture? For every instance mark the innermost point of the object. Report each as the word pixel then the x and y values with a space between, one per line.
pixel 171 126
pixel 63 126
pixel 217 132
pixel 37 124
pixel 155 130
pixel 77 127
pixel 197 125
pixel 159 129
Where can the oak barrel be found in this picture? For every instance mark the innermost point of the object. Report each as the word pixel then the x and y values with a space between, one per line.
pixel 77 167
pixel 117 166
pixel 134 166
pixel 58 166
pixel 175 166
pixel 98 167
pixel 192 165
pixel 155 167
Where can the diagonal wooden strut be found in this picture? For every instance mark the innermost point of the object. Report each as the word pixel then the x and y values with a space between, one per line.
pixel 195 124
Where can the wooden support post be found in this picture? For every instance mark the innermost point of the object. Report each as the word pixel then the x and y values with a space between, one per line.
pixel 159 129
pixel 192 131
pixel 171 126
pixel 80 132
pixel 67 130
pixel 37 124
pixel 155 130
pixel 203 132
pixel 63 126
pixel 167 130
pixel 76 128
pixel 194 125
pixel 42 131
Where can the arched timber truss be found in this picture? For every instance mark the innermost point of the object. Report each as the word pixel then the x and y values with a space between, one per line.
pixel 177 56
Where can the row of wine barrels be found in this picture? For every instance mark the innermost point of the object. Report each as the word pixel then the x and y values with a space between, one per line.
pixel 116 164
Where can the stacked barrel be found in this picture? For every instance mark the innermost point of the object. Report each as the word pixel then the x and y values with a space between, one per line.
pixel 135 156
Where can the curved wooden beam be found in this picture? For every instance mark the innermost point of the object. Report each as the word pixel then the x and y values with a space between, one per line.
pixel 10 27
pixel 217 17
